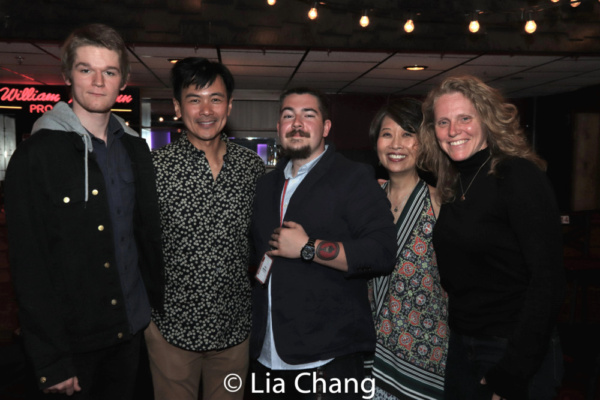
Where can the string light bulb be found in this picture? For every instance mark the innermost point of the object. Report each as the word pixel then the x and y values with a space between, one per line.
pixel 575 3
pixel 530 26
pixel 409 26
pixel 271 2
pixel 364 20
pixel 474 26
pixel 313 14
pixel 555 1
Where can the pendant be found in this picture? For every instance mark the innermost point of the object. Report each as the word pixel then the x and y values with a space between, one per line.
pixel 396 209
pixel 462 198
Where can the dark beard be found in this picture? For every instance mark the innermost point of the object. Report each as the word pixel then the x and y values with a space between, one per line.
pixel 297 154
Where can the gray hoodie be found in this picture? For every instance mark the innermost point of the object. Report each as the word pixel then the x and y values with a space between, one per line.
pixel 62 118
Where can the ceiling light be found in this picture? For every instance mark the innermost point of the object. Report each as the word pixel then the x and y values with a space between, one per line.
pixel 271 2
pixel 160 119
pixel 575 3
pixel 415 67
pixel 364 20
pixel 530 26
pixel 474 26
pixel 173 60
pixel 409 26
pixel 313 14
pixel 555 1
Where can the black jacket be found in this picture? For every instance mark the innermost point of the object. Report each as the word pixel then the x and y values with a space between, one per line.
pixel 62 253
pixel 319 312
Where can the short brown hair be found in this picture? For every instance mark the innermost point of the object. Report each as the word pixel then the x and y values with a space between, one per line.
pixel 98 35
pixel 320 96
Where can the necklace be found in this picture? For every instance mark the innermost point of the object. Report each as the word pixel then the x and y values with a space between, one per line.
pixel 464 192
pixel 402 200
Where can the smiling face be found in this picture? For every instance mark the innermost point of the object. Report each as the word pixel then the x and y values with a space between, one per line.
pixel 301 128
pixel 458 126
pixel 204 111
pixel 95 80
pixel 396 148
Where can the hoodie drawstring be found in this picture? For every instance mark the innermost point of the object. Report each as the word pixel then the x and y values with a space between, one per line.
pixel 87 143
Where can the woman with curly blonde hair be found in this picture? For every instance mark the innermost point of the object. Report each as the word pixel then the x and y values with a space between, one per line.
pixel 498 245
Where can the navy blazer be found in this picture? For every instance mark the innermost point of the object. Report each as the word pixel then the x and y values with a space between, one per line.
pixel 319 312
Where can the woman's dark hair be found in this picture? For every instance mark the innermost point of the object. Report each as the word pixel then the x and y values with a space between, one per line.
pixel 405 111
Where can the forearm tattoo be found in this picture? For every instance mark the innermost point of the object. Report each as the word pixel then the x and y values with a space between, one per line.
pixel 328 250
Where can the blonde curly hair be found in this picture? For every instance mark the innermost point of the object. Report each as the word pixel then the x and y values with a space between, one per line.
pixel 500 124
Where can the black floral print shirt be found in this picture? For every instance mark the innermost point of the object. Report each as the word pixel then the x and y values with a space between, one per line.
pixel 205 225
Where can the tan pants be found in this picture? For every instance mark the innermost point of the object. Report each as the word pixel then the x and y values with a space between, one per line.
pixel 176 373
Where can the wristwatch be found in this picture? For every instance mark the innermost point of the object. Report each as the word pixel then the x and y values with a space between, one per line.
pixel 308 251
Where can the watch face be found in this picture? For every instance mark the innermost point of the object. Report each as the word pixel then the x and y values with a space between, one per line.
pixel 308 253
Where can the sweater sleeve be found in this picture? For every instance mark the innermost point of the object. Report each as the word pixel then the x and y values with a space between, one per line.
pixel 40 310
pixel 372 249
pixel 533 215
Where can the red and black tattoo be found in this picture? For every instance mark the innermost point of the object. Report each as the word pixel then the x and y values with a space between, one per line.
pixel 328 250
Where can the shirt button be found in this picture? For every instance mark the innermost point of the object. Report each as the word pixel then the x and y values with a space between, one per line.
pixel 106 265
pixel 66 200
pixel 95 192
pixel 100 228
pixel 120 335
pixel 43 379
pixel 113 302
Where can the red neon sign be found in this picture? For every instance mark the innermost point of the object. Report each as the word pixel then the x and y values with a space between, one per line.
pixel 9 94
pixel 124 99
pixel 27 94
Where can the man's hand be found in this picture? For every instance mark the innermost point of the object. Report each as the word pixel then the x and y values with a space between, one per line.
pixel 287 241
pixel 67 387
pixel 494 396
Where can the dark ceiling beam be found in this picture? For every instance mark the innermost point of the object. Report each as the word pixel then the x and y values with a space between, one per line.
pixel 441 26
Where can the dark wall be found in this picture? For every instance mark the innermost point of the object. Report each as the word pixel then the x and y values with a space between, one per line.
pixel 555 138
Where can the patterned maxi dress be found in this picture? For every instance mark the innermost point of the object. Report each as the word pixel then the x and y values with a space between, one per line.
pixel 410 311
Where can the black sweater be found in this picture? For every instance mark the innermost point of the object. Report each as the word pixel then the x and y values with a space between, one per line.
pixel 500 257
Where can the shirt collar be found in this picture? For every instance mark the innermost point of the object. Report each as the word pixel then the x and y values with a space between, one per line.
pixel 305 169
pixel 184 141
pixel 114 130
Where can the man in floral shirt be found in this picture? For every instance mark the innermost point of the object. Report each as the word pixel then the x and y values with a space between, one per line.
pixel 206 186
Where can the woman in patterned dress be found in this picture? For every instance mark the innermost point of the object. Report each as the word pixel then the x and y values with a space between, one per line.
pixel 409 306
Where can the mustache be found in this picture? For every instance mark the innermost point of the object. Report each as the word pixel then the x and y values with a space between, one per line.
pixel 297 132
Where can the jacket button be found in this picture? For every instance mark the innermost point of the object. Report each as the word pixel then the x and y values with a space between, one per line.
pixel 106 265
pixel 120 335
pixel 66 200
pixel 100 228
pixel 43 379
pixel 95 192
pixel 113 302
